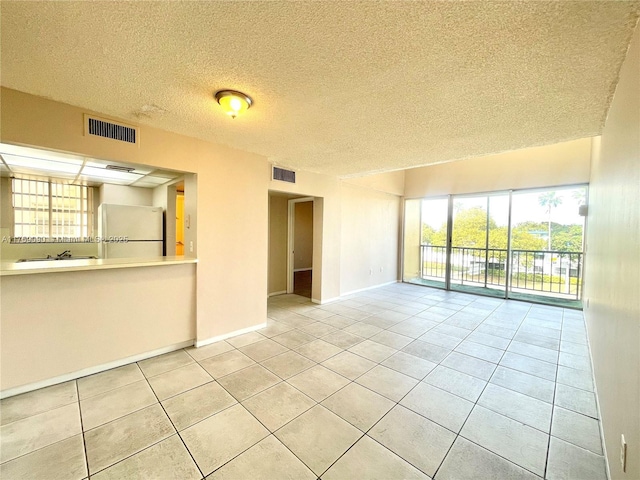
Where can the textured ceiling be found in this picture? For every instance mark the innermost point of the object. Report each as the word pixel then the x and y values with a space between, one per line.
pixel 339 87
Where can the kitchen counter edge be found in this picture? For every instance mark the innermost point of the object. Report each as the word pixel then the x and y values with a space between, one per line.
pixel 29 268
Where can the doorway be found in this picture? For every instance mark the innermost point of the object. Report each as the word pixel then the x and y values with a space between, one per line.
pixel 300 246
pixel 294 264
pixel 179 222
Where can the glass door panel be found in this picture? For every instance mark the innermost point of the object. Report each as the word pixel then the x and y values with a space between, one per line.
pixel 468 241
pixel 479 244
pixel 497 258
pixel 547 245
pixel 433 244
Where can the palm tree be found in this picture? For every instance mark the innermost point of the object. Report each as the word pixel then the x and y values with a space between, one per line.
pixel 549 200
pixel 580 195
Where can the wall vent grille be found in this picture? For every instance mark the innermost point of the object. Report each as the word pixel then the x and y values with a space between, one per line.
pixel 106 129
pixel 284 175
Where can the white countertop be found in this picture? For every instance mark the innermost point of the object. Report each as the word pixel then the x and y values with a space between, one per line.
pixel 28 268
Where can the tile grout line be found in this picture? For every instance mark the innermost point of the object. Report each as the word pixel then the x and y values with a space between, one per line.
pixel 555 383
pixel 341 388
pixel 384 298
pixel 397 403
pixel 387 413
pixel 271 433
pixel 459 433
pixel 553 409
pixel 379 363
pixel 154 443
pixel 174 426
pixel 84 440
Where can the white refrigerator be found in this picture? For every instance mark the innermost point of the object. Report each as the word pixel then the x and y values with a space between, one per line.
pixel 127 231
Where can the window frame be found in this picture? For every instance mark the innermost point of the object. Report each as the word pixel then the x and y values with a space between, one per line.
pixel 82 231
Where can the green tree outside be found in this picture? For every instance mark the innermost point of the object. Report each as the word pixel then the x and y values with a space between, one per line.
pixel 549 200
pixel 470 231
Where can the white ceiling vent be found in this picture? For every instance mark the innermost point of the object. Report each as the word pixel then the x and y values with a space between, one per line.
pixel 101 127
pixel 284 175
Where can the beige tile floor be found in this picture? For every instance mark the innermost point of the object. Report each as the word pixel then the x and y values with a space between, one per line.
pixel 397 382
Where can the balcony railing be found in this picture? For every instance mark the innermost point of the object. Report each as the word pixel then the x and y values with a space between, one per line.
pixel 540 272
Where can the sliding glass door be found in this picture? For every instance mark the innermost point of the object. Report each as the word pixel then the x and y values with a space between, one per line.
pixel 479 243
pixel 547 245
pixel 523 244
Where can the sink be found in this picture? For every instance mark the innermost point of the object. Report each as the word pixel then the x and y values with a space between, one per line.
pixel 52 259
pixel 35 260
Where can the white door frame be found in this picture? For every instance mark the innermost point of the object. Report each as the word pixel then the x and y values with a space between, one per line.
pixel 291 238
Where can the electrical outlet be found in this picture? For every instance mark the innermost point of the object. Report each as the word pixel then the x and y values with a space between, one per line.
pixel 371 271
pixel 623 453
pixel 191 247
pixel 381 269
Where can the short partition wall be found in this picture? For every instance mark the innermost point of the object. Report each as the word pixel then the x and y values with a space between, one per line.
pixel 56 325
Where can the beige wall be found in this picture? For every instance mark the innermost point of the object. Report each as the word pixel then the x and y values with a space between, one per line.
pixel 278 218
pixel 326 228
pixel 124 195
pixel 339 265
pixel 303 236
pixel 412 239
pixel 369 241
pixel 551 165
pixel 49 332
pixel 391 182
pixel 612 275
pixel 230 226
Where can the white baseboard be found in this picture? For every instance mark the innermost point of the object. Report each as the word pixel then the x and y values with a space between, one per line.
pixel 595 393
pixel 202 343
pixel 368 288
pixel 273 294
pixel 302 269
pixel 324 302
pixel 335 299
pixel 91 370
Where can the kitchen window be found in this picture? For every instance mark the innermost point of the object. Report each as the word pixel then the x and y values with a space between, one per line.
pixel 51 210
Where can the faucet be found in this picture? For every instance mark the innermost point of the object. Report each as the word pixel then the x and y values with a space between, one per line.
pixel 65 254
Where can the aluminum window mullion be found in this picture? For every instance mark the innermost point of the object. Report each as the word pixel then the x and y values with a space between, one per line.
pixel 486 246
pixel 449 243
pixel 507 278
pixel 50 211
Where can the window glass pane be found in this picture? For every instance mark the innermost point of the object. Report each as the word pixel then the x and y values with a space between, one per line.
pixel 433 250
pixel 68 210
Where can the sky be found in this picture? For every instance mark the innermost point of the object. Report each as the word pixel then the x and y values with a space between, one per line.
pixel 526 207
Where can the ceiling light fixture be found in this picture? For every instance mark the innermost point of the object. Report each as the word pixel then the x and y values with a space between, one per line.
pixel 234 103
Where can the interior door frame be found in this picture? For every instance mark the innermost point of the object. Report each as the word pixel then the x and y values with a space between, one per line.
pixel 291 237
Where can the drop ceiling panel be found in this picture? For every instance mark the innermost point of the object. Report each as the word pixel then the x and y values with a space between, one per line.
pixel 16 163
pixel 35 162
